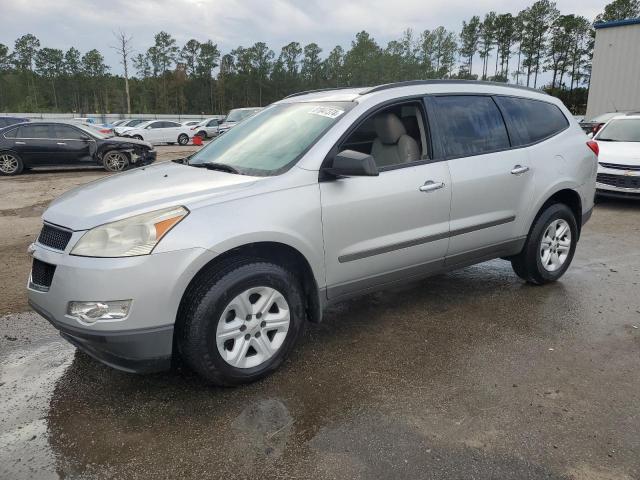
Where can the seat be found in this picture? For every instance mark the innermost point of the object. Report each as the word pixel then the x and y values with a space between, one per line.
pixel 392 145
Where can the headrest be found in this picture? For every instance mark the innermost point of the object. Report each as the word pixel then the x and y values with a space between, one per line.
pixel 389 128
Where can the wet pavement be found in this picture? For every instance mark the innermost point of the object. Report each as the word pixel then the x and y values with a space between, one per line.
pixel 472 374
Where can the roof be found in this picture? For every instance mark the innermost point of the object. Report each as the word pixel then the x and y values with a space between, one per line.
pixel 617 23
pixel 352 93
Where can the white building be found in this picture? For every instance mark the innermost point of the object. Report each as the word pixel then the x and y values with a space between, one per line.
pixel 615 76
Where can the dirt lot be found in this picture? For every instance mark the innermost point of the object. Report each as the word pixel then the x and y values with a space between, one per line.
pixel 466 375
pixel 24 199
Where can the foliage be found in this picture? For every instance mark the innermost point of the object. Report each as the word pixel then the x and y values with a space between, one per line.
pixel 197 78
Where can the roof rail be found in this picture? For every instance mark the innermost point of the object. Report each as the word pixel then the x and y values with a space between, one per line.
pixel 410 83
pixel 318 90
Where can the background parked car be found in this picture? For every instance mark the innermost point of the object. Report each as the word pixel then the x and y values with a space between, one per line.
pixel 191 123
pixel 161 131
pixel 597 122
pixel 207 128
pixel 619 158
pixel 6 121
pixel 129 124
pixel 43 144
pixel 235 116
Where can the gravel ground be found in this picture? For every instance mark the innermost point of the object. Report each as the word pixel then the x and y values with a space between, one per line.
pixel 472 374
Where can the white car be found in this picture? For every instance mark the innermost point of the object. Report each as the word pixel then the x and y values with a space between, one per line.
pixel 619 157
pixel 207 128
pixel 129 124
pixel 191 123
pixel 161 131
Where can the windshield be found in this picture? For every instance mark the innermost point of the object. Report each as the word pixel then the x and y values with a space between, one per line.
pixel 237 115
pixel 623 130
pixel 93 131
pixel 272 140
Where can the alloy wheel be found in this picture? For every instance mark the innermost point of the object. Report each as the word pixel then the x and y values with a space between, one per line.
pixel 9 164
pixel 555 245
pixel 115 162
pixel 253 327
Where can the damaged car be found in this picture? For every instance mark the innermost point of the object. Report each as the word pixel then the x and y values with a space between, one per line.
pixel 48 144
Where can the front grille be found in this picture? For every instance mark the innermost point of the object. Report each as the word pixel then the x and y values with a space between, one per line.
pixel 54 237
pixel 620 181
pixel 621 167
pixel 42 274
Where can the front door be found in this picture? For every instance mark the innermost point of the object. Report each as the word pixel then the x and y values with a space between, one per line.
pixel 378 230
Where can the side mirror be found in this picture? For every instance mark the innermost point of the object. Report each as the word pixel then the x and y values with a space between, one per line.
pixel 349 163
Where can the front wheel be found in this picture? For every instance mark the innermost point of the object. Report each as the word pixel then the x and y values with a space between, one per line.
pixel 115 161
pixel 183 139
pixel 550 246
pixel 137 137
pixel 241 324
pixel 10 164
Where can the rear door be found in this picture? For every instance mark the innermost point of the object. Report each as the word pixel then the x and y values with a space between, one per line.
pixel 35 144
pixel 153 132
pixel 492 184
pixel 172 130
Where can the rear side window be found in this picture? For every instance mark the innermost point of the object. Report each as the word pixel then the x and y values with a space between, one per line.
pixel 34 131
pixel 531 121
pixel 10 133
pixel 469 125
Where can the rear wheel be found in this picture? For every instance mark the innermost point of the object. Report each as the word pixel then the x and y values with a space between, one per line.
pixel 183 139
pixel 10 164
pixel 115 161
pixel 202 134
pixel 137 137
pixel 241 324
pixel 550 246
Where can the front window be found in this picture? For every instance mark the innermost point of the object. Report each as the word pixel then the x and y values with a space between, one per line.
pixel 273 140
pixel 623 130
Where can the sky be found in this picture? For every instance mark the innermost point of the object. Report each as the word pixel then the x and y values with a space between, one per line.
pixel 88 24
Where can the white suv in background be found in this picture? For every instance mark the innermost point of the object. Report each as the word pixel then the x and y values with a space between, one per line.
pixel 223 258
pixel 161 131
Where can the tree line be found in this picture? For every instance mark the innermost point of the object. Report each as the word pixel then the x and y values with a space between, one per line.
pixel 198 78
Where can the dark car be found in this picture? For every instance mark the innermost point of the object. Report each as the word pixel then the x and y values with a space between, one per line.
pixel 7 121
pixel 43 144
pixel 596 123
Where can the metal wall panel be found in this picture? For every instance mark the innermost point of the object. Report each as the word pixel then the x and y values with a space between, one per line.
pixel 615 78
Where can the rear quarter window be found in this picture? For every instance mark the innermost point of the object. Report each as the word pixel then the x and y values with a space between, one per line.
pixel 531 121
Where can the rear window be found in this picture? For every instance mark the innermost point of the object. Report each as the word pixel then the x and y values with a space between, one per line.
pixel 469 125
pixel 34 131
pixel 531 121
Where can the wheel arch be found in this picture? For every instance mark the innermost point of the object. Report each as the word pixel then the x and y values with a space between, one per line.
pixel 567 196
pixel 272 251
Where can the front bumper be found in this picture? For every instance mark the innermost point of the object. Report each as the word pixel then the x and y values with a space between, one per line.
pixel 618 183
pixel 142 341
pixel 134 351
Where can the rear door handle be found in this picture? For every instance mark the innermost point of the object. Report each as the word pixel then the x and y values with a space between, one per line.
pixel 20 143
pixel 61 143
pixel 431 186
pixel 519 170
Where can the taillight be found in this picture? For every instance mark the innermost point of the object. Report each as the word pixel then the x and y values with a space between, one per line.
pixel 594 147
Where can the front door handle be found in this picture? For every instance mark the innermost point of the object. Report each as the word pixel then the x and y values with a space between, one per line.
pixel 61 143
pixel 431 186
pixel 20 143
pixel 519 170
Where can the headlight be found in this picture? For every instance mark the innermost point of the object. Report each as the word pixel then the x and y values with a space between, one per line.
pixel 132 236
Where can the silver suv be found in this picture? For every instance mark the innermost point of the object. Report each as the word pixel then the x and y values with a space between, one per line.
pixel 221 259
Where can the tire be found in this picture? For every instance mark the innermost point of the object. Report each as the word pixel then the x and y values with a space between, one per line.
pixel 183 139
pixel 137 137
pixel 114 161
pixel 557 227
pixel 214 329
pixel 10 164
pixel 202 134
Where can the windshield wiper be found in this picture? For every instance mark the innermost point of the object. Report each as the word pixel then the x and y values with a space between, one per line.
pixel 216 166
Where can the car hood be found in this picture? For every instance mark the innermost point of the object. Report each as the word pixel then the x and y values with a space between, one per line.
pixel 621 153
pixel 139 191
pixel 128 141
pixel 227 124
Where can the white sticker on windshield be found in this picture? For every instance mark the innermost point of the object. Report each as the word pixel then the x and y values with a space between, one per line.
pixel 329 112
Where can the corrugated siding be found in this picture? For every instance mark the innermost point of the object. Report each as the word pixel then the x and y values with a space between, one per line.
pixel 615 78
